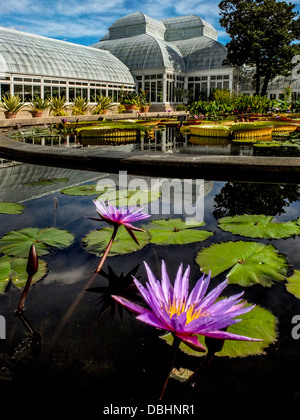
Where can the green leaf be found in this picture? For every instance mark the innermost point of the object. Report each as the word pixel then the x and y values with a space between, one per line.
pixel 293 284
pixel 259 226
pixel 17 243
pixel 11 208
pixel 258 323
pixel 87 189
pixel 47 182
pixel 176 231
pixel 129 198
pixel 96 241
pixel 249 262
pixel 14 269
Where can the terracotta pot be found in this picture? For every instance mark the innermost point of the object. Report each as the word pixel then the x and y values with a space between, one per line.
pixel 36 114
pixel 145 108
pixel 129 107
pixel 10 114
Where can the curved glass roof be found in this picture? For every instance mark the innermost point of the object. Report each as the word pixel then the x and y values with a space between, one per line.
pixel 202 53
pixel 22 53
pixel 144 52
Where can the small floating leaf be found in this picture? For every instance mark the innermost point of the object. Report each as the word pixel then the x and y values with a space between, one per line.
pixel 249 262
pixel 258 323
pixel 259 226
pixel 129 197
pixel 293 284
pixel 45 181
pixel 11 208
pixel 86 189
pixel 176 231
pixel 14 269
pixel 96 241
pixel 18 242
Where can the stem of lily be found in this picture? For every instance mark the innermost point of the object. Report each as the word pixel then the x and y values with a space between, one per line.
pixel 86 286
pixel 204 364
pixel 175 347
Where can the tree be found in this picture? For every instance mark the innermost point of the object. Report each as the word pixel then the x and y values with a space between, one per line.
pixel 263 35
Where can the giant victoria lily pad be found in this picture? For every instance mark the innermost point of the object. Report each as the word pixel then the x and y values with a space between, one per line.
pixel 248 262
pixel 14 269
pixel 176 232
pixel 258 323
pixel 96 241
pixel 259 226
pixel 18 242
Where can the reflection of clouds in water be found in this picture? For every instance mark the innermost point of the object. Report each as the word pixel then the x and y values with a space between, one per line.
pixel 67 276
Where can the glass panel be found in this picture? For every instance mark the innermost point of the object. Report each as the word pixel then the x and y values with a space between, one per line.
pixel 71 93
pixel 4 89
pixel 47 92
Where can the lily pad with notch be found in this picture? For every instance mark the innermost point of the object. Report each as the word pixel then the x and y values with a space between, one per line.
pixel 18 242
pixel 248 263
pixel 259 226
pixel 11 208
pixel 14 269
pixel 176 232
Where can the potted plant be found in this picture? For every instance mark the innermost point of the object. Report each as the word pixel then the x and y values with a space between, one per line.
pixel 58 106
pixel 104 103
pixel 11 105
pixel 79 106
pixel 144 103
pixel 38 106
pixel 129 100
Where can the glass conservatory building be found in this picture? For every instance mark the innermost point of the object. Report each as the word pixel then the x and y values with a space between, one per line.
pixel 181 52
pixel 32 65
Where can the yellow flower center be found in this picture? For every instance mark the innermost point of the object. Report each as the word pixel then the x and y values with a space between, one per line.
pixel 178 307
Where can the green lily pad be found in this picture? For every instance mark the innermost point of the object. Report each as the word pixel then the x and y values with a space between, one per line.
pixel 259 226
pixel 46 181
pixel 11 208
pixel 129 198
pixel 14 269
pixel 18 242
pixel 249 262
pixel 293 284
pixel 86 189
pixel 258 323
pixel 95 242
pixel 176 231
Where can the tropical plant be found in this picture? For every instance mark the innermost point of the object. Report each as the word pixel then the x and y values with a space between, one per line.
pixel 79 106
pixel 103 104
pixel 11 103
pixel 58 106
pixel 39 104
pixel 128 97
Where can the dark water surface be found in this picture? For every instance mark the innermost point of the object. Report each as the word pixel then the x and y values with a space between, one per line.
pixel 91 362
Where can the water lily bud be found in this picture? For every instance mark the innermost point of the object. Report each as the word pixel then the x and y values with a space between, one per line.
pixel 32 264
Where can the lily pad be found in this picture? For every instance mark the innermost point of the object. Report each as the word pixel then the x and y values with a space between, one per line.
pixel 46 181
pixel 14 269
pixel 249 262
pixel 11 208
pixel 129 198
pixel 95 242
pixel 293 284
pixel 86 189
pixel 18 242
pixel 258 323
pixel 259 226
pixel 176 231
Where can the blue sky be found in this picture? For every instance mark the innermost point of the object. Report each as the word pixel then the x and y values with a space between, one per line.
pixel 85 22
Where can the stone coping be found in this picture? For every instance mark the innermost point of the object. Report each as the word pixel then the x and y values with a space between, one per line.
pixel 157 164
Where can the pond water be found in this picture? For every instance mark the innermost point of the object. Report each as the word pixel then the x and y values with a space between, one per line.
pixel 87 361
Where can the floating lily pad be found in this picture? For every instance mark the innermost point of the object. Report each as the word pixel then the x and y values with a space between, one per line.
pixel 259 226
pixel 258 323
pixel 46 181
pixel 293 284
pixel 18 242
pixel 11 208
pixel 86 189
pixel 129 198
pixel 176 231
pixel 14 269
pixel 96 241
pixel 249 262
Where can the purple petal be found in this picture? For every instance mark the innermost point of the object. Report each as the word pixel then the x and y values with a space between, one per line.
pixel 199 290
pixel 224 335
pixel 166 284
pixel 150 319
pixel 130 305
pixel 191 340
pixel 177 284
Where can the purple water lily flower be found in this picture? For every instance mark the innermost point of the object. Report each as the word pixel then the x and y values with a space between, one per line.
pixel 186 315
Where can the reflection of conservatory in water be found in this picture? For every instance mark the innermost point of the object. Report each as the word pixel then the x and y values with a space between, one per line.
pixel 181 52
